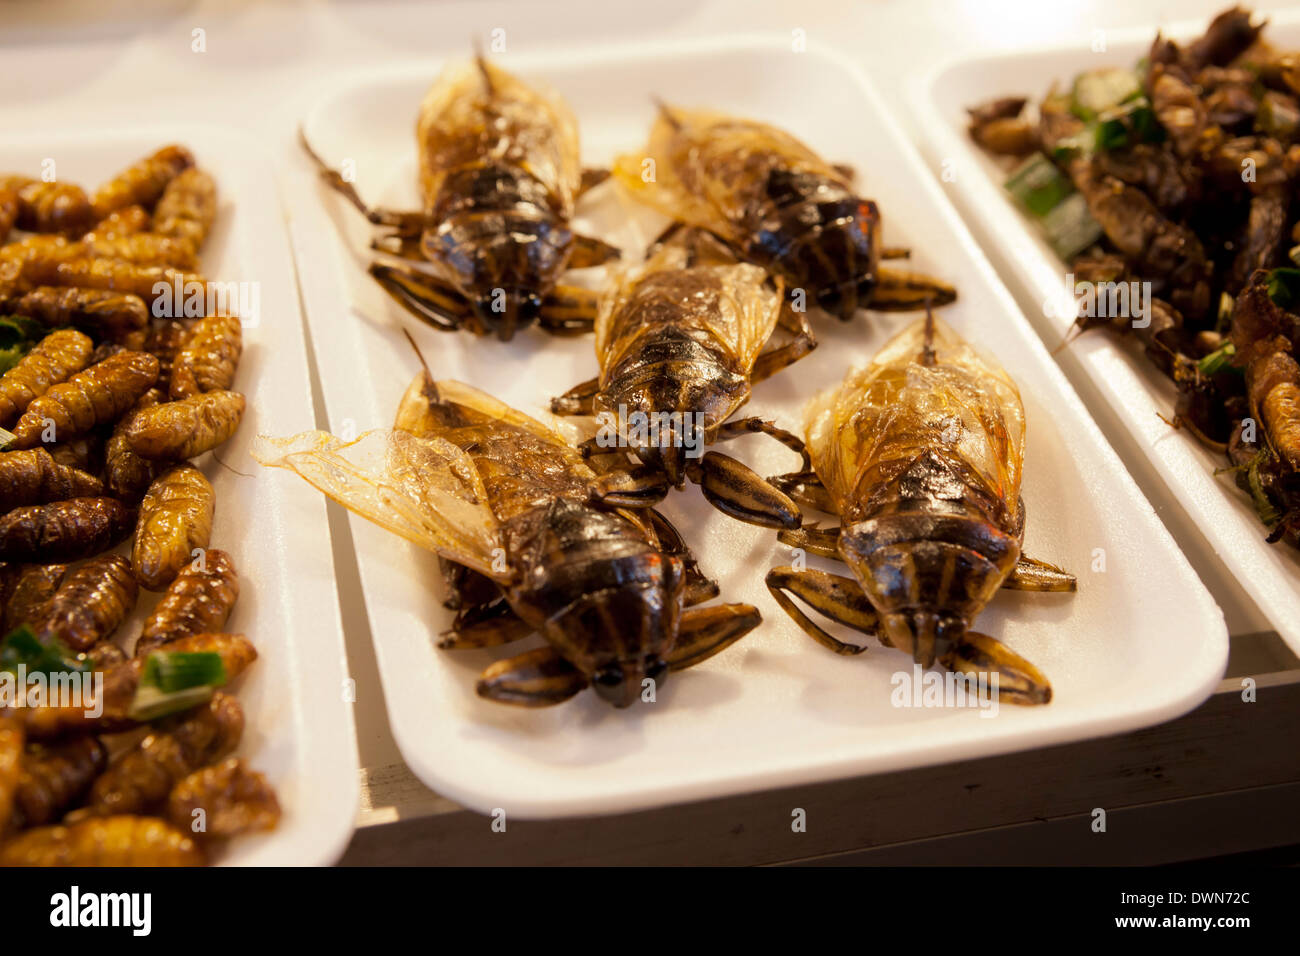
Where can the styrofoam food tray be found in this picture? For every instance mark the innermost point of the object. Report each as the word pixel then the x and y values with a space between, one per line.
pixel 1137 392
pixel 298 730
pixel 775 709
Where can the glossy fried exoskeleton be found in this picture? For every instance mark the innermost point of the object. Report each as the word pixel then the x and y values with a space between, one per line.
pixel 920 454
pixel 85 453
pixel 777 204
pixel 150 283
pixel 94 396
pixel 109 315
pixel 57 356
pixel 55 776
pixel 107 841
pixel 33 477
pixel 120 683
pixel 91 602
pixel 29 594
pixel 207 360
pixel 125 222
pixel 166 338
pixel 64 530
pixel 499 177
pixel 199 599
pixel 188 207
pixel 126 474
pixel 507 497
pixel 185 428
pixel 49 207
pixel 9 203
pixel 223 801
pixel 142 778
pixel 175 519
pixel 680 342
pixel 12 737
pixel 142 183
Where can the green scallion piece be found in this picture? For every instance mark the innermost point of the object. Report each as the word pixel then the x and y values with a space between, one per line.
pixel 150 703
pixel 172 671
pixel 1217 360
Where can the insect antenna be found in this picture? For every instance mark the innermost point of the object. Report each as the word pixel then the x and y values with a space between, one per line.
pixel 927 345
pixel 481 62
pixel 1072 333
pixel 430 386
pixel 667 114
pixel 217 459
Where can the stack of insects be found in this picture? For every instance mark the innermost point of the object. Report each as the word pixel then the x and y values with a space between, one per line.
pixel 104 402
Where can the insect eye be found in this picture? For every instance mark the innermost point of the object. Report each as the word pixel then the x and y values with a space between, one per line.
pixel 610 676
pixel 656 671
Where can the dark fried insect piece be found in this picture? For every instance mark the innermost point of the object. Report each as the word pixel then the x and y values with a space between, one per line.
pixel 9 204
pixel 63 531
pixel 124 222
pixel 126 474
pixel 105 655
pixel 11 762
pixel 120 685
pixel 142 779
pixel 175 520
pixel 199 600
pixel 49 207
pixel 85 453
pixel 111 841
pixel 33 586
pixel 185 428
pixel 999 127
pixel 188 207
pixel 55 777
pixel 143 182
pixel 142 248
pixel 112 275
pixel 33 477
pixel 109 315
pixel 166 338
pixel 54 358
pixel 207 361
pixel 99 394
pixel 91 602
pixel 223 801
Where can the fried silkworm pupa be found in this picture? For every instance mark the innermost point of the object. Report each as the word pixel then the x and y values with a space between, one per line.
pixel 185 428
pixel 223 801
pixel 33 477
pixel 63 531
pixel 142 183
pixel 12 737
pixel 34 585
pixel 104 655
pixel 109 841
pixel 143 249
pixel 165 339
pixel 143 777
pixel 200 599
pixel 91 602
pixel 49 207
pixel 55 777
pixel 150 283
pixel 9 204
pixel 124 222
pixel 109 315
pixel 207 361
pixel 175 519
pixel 188 207
pixel 54 358
pixel 85 453
pixel 98 394
pixel 126 474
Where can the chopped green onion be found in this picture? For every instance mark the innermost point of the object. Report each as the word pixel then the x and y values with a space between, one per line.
pixel 1070 227
pixel 1099 90
pixel 1294 255
pixel 1133 121
pixel 1218 359
pixel 150 703
pixel 1038 185
pixel 5 438
pixel 170 672
pixel 1277 116
pixel 22 647
pixel 1263 504
pixel 1284 286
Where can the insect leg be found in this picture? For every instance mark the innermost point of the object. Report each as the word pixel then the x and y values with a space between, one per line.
pixel 577 400
pixel 1019 682
pixel 895 252
pixel 698 587
pixel 823 542
pixel 1030 574
pixel 538 678
pixel 704 631
pixel 804 341
pixel 806 488
pixel 404 222
pixel 485 625
pixel 899 290
pixel 569 310
pixel 735 489
pixel 838 598
pixel 426 298
pixel 638 487
pixel 465 586
pixel 589 251
pixel 591 178
pixel 750 426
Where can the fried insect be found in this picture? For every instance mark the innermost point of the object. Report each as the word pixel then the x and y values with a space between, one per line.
pixel 30 593
pixel 63 531
pixel 95 396
pixel 143 182
pixel 223 801
pixel 49 207
pixel 175 520
pixel 920 455
pixel 126 474
pixel 91 602
pixel 109 709
pixel 499 178
pixel 124 222
pixel 199 599
pixel 185 428
pixel 208 358
pixel 504 495
pixel 12 738
pixel 777 204
pixel 188 207
pixel 680 342
pixel 55 776
pixel 9 204
pixel 33 477
pixel 166 338
pixel 149 283
pixel 141 779
pixel 55 357
pixel 85 453
pixel 110 841
pixel 108 315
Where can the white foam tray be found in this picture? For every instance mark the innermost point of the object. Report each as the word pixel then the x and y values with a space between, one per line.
pixel 1137 393
pixel 1132 648
pixel 299 729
